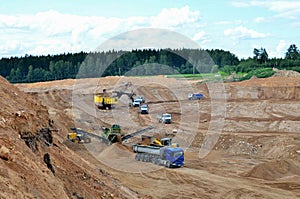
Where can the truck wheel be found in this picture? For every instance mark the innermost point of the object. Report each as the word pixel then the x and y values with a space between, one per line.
pixel 153 160
pixel 141 157
pixel 168 164
pixel 137 157
pixel 144 158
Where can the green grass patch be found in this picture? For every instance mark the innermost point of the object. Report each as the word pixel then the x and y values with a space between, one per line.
pixel 195 76
pixel 204 77
pixel 260 73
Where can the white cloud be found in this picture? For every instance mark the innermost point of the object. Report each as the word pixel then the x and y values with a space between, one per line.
pixel 243 33
pixel 287 9
pixel 11 47
pixel 281 48
pixel 199 35
pixel 174 17
pixel 239 4
pixel 223 22
pixel 260 19
pixel 228 22
pixel 277 50
pixel 148 38
pixel 282 6
pixel 296 24
pixel 52 32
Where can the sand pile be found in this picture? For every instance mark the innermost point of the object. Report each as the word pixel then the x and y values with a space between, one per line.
pixel 275 169
pixel 286 73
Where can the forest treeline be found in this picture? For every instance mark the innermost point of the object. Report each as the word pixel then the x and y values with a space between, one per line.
pixel 141 62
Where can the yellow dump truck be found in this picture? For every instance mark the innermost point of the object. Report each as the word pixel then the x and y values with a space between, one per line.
pixel 105 101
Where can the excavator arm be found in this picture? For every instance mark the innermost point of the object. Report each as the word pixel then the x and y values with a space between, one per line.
pixel 129 95
pixel 157 142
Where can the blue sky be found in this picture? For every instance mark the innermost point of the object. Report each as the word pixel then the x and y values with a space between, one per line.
pixel 56 26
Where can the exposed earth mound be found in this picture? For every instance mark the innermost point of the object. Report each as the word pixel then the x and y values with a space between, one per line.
pixel 286 73
pixel 274 170
pixel 34 164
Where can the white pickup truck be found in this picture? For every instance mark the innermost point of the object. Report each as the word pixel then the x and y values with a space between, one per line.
pixel 165 118
pixel 144 109
pixel 138 101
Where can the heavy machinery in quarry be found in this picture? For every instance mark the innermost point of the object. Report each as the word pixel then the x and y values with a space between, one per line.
pixel 106 100
pixel 150 140
pixel 119 94
pixel 166 155
pixel 112 134
pixel 78 136
pixel 159 151
pixel 109 135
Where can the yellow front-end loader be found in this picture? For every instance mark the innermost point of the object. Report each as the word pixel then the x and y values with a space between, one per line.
pixel 78 136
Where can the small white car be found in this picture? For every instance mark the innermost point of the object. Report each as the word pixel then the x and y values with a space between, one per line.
pixel 136 103
pixel 144 109
pixel 165 118
pixel 141 98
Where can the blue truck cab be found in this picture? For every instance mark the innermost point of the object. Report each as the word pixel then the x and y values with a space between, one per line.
pixel 195 96
pixel 175 156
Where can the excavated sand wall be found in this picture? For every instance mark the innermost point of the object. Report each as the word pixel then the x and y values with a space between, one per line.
pixel 261 92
